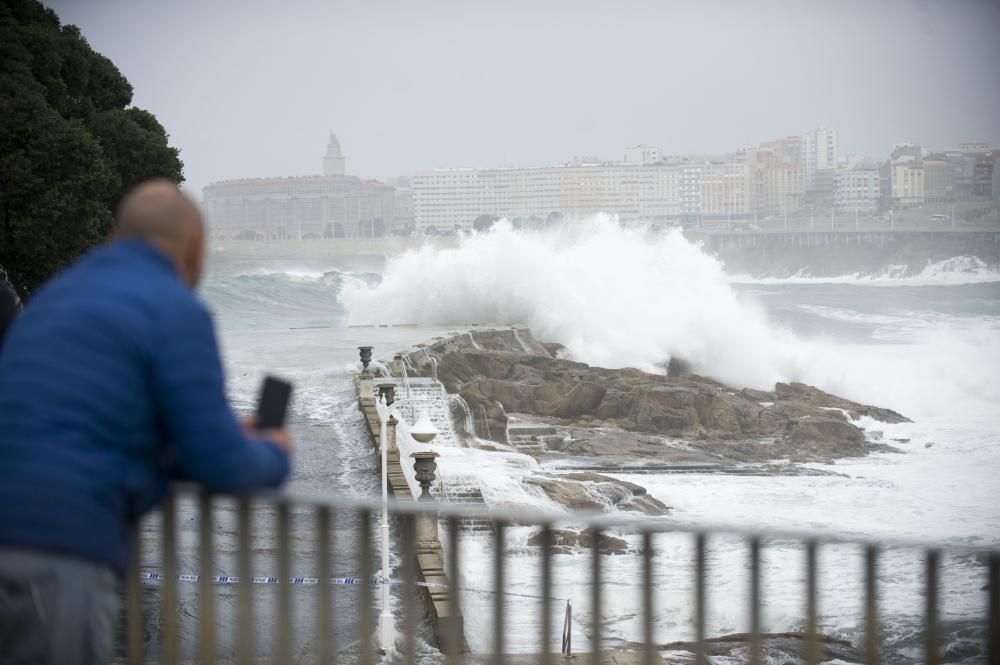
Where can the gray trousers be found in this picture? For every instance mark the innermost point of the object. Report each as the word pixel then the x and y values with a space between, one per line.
pixel 56 609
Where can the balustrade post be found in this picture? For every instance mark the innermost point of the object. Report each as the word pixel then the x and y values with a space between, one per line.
pixel 366 380
pixel 426 523
pixel 390 431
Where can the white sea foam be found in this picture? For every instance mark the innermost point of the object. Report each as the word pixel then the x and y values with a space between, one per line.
pixel 620 298
pixel 955 271
pixel 905 325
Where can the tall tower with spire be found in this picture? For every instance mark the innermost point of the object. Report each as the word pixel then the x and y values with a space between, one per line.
pixel 334 162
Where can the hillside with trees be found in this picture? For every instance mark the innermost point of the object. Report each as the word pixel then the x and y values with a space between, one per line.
pixel 71 144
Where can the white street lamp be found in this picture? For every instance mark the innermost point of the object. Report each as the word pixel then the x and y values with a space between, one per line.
pixel 423 432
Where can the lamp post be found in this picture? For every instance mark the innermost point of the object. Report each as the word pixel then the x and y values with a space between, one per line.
pixel 423 432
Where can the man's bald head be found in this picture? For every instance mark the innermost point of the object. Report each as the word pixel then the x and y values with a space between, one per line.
pixel 159 213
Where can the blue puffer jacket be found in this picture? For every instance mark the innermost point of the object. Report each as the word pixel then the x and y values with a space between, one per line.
pixel 110 385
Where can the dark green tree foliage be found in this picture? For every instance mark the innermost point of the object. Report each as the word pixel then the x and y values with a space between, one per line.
pixel 70 144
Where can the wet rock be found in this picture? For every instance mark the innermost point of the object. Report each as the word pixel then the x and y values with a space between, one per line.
pixel 805 394
pixel 565 541
pixel 829 437
pixel 594 491
pixel 757 395
pixel 795 421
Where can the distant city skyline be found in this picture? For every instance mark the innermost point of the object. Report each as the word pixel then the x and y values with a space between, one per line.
pixel 778 177
pixel 254 92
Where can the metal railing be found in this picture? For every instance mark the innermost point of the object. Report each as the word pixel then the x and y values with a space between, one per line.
pixel 161 639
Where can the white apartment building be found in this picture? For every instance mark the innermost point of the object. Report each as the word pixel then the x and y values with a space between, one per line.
pixel 780 188
pixel 819 152
pixel 448 199
pixel 907 182
pixel 660 194
pixel 590 189
pixel 776 175
pixel 856 189
pixel 939 180
pixel 726 189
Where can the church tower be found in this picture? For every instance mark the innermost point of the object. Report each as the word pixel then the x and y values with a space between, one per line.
pixel 334 162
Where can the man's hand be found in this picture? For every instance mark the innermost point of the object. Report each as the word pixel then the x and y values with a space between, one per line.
pixel 279 437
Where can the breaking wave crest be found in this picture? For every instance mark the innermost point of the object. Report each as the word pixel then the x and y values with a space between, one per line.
pixel 618 298
pixel 614 297
pixel 266 298
pixel 956 271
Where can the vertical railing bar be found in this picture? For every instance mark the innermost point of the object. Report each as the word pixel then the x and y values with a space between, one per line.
pixel 134 597
pixel 365 557
pixel 410 599
pixel 332 604
pixel 993 589
pixel 546 653
pixel 245 592
pixel 699 599
pixel 454 633
pixel 568 630
pixel 649 649
pixel 499 554
pixel 812 655
pixel 755 655
pixel 871 606
pixel 285 619
pixel 932 559
pixel 596 607
pixel 170 621
pixel 323 612
pixel 206 590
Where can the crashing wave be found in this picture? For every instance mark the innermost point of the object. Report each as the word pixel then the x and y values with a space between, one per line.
pixel 623 298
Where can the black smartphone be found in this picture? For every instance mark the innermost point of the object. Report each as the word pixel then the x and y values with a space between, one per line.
pixel 275 394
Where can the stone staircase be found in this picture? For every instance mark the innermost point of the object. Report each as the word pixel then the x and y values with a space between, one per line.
pixel 530 439
pixel 466 494
pixel 429 397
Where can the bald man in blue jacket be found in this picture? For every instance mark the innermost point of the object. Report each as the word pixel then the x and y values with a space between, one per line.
pixel 111 385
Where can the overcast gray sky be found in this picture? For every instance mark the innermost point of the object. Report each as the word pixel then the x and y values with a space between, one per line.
pixel 251 88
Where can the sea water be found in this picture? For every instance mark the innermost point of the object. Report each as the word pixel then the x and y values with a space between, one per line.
pixel 927 346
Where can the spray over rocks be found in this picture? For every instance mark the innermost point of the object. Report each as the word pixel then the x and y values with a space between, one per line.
pixel 616 298
pixel 629 415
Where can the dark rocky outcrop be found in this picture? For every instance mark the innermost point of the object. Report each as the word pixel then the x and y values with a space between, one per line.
pixel 803 394
pixel 566 541
pixel 505 374
pixel 593 491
